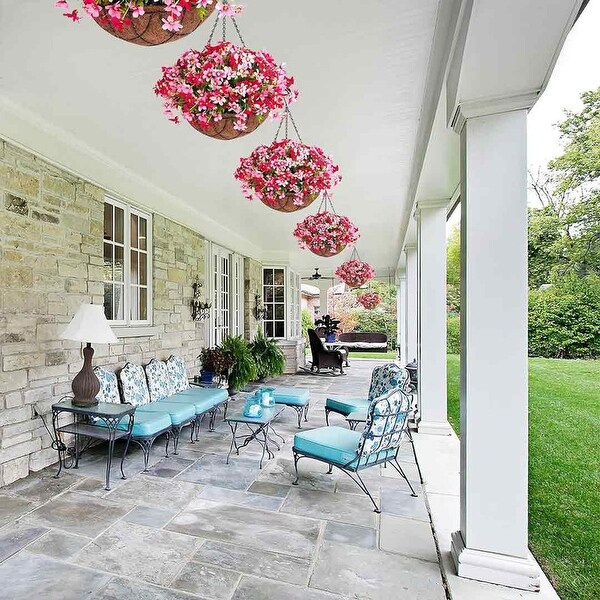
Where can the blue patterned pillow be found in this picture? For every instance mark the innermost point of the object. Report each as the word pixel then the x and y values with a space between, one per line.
pixel 133 382
pixel 178 379
pixel 158 379
pixel 109 388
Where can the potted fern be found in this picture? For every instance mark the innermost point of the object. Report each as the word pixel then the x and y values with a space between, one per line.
pixel 243 370
pixel 267 355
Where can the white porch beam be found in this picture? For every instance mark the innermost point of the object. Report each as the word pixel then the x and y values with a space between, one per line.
pixel 492 542
pixel 410 324
pixel 431 332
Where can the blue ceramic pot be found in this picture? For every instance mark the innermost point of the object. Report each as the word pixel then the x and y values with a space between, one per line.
pixel 330 337
pixel 206 376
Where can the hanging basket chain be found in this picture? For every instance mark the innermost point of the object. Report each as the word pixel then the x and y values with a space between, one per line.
pixel 325 203
pixel 212 31
pixel 237 29
pixel 224 33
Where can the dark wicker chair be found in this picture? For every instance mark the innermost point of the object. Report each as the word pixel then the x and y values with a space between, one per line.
pixel 323 358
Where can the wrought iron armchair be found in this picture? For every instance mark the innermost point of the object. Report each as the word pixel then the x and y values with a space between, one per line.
pixel 353 451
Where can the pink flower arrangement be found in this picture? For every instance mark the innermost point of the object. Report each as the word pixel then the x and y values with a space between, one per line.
pixel 286 171
pixel 355 273
pixel 224 80
pixel 326 233
pixel 369 299
pixel 119 13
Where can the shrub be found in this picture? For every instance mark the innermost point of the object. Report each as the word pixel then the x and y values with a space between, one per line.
pixel 244 368
pixel 307 322
pixel 378 321
pixel 564 318
pixel 453 335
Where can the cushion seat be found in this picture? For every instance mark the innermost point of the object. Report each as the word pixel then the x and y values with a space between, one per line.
pixel 290 396
pixel 213 395
pixel 336 445
pixel 179 412
pixel 345 406
pixel 144 425
pixel 201 405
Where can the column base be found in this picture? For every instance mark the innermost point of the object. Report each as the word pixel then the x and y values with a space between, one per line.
pixel 434 427
pixel 501 569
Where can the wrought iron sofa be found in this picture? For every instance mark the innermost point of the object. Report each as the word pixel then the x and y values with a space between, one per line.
pixel 168 381
pixel 364 341
pixel 147 427
pixel 353 451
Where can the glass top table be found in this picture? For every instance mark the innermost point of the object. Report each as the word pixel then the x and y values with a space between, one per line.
pixel 257 429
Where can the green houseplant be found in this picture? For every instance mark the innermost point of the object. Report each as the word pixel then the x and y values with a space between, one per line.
pixel 214 362
pixel 243 370
pixel 267 355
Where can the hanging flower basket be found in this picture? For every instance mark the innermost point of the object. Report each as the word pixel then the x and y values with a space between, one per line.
pixel 224 91
pixel 145 22
pixel 287 175
pixel 369 300
pixel 326 233
pixel 355 273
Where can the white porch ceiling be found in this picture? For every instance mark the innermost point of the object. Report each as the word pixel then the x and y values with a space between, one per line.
pixel 84 99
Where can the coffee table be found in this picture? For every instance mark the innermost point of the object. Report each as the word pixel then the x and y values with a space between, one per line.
pixel 258 428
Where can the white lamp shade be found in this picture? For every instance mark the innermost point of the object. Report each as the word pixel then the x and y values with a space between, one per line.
pixel 90 325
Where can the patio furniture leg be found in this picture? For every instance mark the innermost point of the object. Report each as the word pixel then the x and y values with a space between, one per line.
pixel 233 427
pixel 125 453
pixel 306 412
pixel 297 457
pixel 299 411
pixel 168 436
pixel 412 443
pixel 327 411
pixel 193 429
pixel 398 468
pixel 211 423
pixel 330 471
pixel 146 446
pixel 176 433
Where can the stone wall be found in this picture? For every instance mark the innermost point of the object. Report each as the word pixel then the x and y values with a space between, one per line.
pixel 252 286
pixel 51 229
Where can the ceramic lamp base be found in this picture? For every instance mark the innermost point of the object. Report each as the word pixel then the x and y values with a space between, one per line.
pixel 85 385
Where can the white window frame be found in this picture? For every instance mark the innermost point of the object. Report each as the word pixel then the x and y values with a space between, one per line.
pixel 128 210
pixel 292 301
pixel 235 291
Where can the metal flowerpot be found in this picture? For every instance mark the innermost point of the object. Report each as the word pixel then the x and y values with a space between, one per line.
pixel 147 29
pixel 206 376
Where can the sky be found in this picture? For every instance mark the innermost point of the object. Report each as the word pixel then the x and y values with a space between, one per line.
pixel 577 70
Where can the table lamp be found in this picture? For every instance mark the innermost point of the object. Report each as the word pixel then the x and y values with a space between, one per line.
pixel 89 325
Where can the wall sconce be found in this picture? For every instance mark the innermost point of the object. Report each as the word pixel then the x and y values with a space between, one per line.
pixel 260 312
pixel 200 309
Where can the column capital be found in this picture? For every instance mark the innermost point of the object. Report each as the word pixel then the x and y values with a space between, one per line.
pixel 471 109
pixel 410 247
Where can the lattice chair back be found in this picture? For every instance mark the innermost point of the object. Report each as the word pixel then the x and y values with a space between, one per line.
pixel 178 379
pixel 384 431
pixel 387 377
pixel 109 387
pixel 133 385
pixel 158 379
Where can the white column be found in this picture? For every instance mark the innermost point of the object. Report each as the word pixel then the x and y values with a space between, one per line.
pixel 432 316
pixel 410 324
pixel 323 285
pixel 401 317
pixel 492 542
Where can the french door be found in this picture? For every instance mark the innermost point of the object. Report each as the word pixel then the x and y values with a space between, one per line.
pixel 227 282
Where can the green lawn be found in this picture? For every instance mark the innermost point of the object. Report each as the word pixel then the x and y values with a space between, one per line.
pixel 392 354
pixel 564 470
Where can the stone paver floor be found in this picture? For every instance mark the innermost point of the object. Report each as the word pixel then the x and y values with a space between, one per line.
pixel 194 527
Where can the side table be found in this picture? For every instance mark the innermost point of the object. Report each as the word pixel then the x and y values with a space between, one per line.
pixel 86 425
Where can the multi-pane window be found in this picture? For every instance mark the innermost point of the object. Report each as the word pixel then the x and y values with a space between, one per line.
pixel 274 301
pixel 127 264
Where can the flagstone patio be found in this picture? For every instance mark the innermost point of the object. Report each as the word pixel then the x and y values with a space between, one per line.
pixel 195 527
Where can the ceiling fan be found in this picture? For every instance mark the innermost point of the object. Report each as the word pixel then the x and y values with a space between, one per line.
pixel 316 276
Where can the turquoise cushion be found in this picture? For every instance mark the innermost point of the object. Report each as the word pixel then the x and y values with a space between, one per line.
pixel 144 425
pixel 347 405
pixel 179 412
pixel 336 444
pixel 201 405
pixel 214 395
pixel 290 396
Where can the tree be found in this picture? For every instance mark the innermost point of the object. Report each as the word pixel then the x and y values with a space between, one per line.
pixel 453 270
